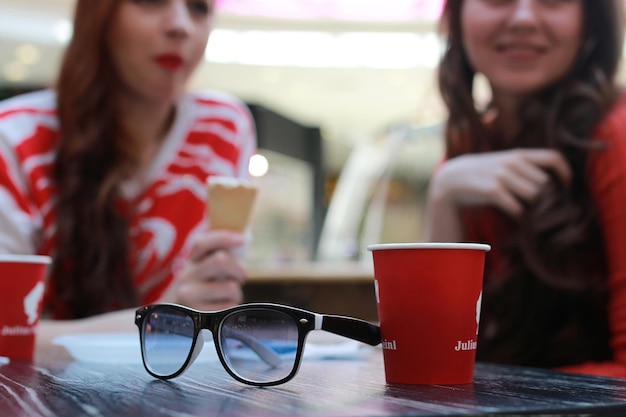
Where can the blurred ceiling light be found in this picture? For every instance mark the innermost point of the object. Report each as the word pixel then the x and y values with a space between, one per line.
pixel 27 54
pixel 63 30
pixel 324 49
pixel 15 72
pixel 258 165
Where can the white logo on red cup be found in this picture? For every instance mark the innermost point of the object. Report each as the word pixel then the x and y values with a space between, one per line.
pixel 31 303
pixel 376 291
pixel 478 304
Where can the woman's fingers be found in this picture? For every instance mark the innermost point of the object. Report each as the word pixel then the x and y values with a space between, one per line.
pixel 508 202
pixel 214 240
pixel 210 295
pixel 506 179
pixel 529 172
pixel 219 265
pixel 549 159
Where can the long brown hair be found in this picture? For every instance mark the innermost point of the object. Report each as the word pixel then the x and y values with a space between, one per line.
pixel 90 271
pixel 548 307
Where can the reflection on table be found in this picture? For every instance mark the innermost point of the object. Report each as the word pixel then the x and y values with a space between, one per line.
pixel 345 387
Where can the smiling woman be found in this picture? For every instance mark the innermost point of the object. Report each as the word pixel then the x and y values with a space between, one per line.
pixel 106 173
pixel 540 175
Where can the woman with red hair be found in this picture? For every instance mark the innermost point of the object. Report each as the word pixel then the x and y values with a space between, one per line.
pixel 106 173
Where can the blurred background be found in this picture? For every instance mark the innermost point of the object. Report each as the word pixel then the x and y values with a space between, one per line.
pixel 344 97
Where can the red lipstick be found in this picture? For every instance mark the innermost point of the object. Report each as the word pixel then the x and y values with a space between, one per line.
pixel 170 62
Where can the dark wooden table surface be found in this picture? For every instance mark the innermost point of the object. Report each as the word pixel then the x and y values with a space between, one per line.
pixel 322 388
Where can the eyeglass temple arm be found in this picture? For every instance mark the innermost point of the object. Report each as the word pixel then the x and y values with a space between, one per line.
pixel 267 354
pixel 353 328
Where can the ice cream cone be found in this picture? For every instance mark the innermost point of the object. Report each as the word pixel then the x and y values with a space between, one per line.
pixel 230 202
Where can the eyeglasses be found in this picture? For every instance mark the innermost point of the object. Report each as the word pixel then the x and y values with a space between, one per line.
pixel 258 344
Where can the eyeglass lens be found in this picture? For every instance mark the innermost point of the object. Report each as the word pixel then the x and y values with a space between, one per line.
pixel 168 337
pixel 259 345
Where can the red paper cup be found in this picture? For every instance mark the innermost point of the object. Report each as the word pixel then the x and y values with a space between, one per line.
pixel 22 280
pixel 428 297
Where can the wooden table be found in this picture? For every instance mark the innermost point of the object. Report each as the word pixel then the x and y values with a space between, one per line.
pixel 340 388
pixel 344 288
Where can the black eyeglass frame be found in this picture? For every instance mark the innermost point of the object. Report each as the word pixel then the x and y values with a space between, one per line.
pixel 306 321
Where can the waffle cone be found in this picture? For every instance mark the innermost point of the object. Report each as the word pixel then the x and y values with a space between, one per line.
pixel 230 204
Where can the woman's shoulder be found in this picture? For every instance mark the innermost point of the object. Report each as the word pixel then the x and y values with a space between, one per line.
pixel 214 104
pixel 614 122
pixel 208 108
pixel 215 98
pixel 619 105
pixel 24 115
pixel 41 101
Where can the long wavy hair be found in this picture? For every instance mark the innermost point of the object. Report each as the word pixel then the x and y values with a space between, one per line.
pixel 90 273
pixel 548 307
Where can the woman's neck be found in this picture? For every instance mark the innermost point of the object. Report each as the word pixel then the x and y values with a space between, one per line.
pixel 146 124
pixel 507 121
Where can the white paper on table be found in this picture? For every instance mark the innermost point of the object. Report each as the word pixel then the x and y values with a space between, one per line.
pixel 122 348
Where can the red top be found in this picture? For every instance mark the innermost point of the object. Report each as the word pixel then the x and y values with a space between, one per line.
pixel 606 171
pixel 213 134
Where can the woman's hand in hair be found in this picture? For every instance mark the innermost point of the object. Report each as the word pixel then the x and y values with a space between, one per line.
pixel 509 180
pixel 214 273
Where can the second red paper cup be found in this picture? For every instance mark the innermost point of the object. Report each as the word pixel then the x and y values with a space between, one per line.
pixel 21 288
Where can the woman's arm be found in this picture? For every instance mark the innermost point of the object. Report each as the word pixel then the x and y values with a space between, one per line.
pixel 443 218
pixel 607 179
pixel 18 221
pixel 504 179
pixel 48 330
